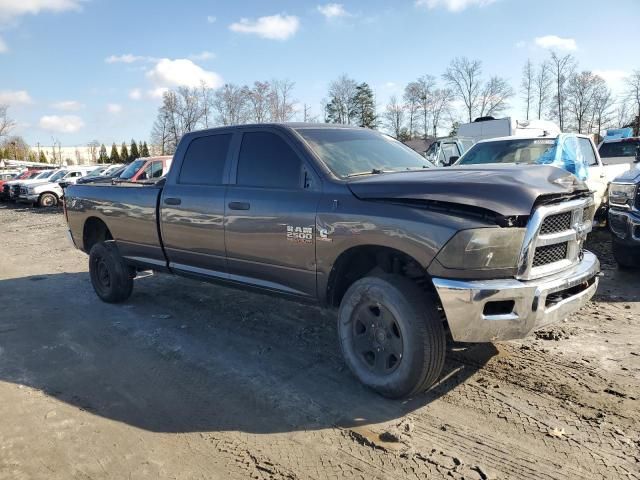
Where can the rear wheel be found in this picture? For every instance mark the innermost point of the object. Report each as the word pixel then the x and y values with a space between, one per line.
pixel 391 335
pixel 47 200
pixel 627 256
pixel 111 277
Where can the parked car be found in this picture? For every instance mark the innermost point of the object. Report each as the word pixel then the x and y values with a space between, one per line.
pixel 27 174
pixel 48 192
pixel 11 190
pixel 573 152
pixel 4 176
pixel 350 218
pixel 107 176
pixel 446 151
pixel 620 151
pixel 624 218
pixel 74 174
pixel 488 127
pixel 147 168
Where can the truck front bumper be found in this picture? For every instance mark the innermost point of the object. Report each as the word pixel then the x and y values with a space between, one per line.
pixel 625 225
pixel 488 310
pixel 28 198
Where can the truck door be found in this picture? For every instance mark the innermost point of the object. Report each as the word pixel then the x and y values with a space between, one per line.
pixel 270 215
pixel 192 208
pixel 597 179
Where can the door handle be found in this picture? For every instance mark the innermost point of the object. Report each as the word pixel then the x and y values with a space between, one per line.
pixel 239 205
pixel 172 201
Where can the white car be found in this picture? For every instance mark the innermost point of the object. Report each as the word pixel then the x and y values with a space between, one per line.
pixel 529 150
pixel 49 193
pixel 12 188
pixel 620 151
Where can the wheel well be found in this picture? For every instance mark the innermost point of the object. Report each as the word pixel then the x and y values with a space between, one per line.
pixel 49 193
pixel 95 231
pixel 358 262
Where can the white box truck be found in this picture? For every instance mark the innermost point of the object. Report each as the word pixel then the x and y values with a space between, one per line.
pixel 489 127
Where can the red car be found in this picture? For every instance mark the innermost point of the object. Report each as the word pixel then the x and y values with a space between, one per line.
pixel 26 175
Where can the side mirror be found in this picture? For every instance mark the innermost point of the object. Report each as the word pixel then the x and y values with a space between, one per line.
pixel 451 160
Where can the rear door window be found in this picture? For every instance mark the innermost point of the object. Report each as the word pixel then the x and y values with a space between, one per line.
pixel 204 161
pixel 266 160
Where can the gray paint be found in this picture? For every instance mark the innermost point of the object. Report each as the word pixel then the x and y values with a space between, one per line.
pixel 203 237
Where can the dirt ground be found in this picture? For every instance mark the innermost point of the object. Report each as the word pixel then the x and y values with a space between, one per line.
pixel 194 381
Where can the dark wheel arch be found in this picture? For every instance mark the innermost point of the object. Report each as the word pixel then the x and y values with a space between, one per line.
pixel 93 232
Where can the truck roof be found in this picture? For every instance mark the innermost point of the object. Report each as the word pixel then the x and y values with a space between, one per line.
pixel 529 137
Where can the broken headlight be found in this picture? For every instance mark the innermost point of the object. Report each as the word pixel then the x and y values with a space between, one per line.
pixel 483 249
pixel 621 194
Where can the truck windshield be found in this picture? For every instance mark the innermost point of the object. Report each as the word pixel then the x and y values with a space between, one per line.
pixel 349 152
pixel 132 169
pixel 57 176
pixel 507 151
pixel 44 175
pixel 625 148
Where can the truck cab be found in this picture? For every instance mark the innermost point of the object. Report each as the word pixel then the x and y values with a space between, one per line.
pixel 146 169
pixel 446 151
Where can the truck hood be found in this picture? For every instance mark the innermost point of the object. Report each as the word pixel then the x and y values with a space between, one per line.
pixel 508 190
pixel 630 176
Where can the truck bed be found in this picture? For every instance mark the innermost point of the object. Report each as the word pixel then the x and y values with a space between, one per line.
pixel 129 209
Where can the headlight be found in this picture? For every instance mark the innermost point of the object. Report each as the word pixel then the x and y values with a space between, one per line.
pixel 621 194
pixel 483 249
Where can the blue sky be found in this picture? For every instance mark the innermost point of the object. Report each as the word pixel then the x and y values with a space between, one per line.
pixel 79 70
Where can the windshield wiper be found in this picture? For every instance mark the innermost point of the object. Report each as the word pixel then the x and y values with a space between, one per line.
pixel 373 171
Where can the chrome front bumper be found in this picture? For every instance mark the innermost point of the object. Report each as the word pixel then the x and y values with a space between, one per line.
pixel 487 310
pixel 625 224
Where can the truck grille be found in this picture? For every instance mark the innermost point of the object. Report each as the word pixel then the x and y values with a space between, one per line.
pixel 550 254
pixel 5 190
pixel 554 238
pixel 23 190
pixel 556 223
pixel 15 190
pixel 638 198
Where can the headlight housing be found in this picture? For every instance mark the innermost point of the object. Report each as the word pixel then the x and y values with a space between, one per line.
pixel 622 194
pixel 483 249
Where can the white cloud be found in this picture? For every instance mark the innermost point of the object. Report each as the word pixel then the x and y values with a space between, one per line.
pixel 453 5
pixel 61 123
pixel 553 41
pixel 135 94
pixel 182 72
pixel 615 79
pixel 15 97
pixel 157 92
pixel 3 46
pixel 126 58
pixel 114 108
pixel 68 105
pixel 211 19
pixel 274 27
pixel 332 10
pixel 10 9
pixel 204 55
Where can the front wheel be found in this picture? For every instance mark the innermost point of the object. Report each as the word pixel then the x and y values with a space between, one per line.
pixel 391 335
pixel 111 277
pixel 47 200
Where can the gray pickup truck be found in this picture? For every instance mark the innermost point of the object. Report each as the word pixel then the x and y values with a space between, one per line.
pixel 353 219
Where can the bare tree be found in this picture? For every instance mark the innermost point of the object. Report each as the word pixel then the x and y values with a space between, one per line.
pixel 394 116
pixel 527 84
pixel 622 114
pixel 230 103
pixel 93 147
pixel 633 91
pixel 464 78
pixel 282 103
pixel 341 106
pixel 494 96
pixel 16 147
pixel 603 103
pixel 411 98
pixel 580 97
pixel 562 69
pixel 6 123
pixel 189 108
pixel 425 85
pixel 307 115
pixel 542 85
pixel 440 106
pixel 260 100
pixel 206 100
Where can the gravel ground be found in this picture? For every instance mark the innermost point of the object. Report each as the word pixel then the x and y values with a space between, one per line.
pixel 190 380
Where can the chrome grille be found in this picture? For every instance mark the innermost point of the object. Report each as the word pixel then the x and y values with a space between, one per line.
pixel 554 237
pixel 550 254
pixel 556 223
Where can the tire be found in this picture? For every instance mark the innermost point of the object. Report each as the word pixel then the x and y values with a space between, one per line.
pixel 627 256
pixel 391 335
pixel 47 200
pixel 111 277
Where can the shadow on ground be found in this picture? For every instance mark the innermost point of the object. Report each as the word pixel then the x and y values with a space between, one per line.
pixel 184 356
